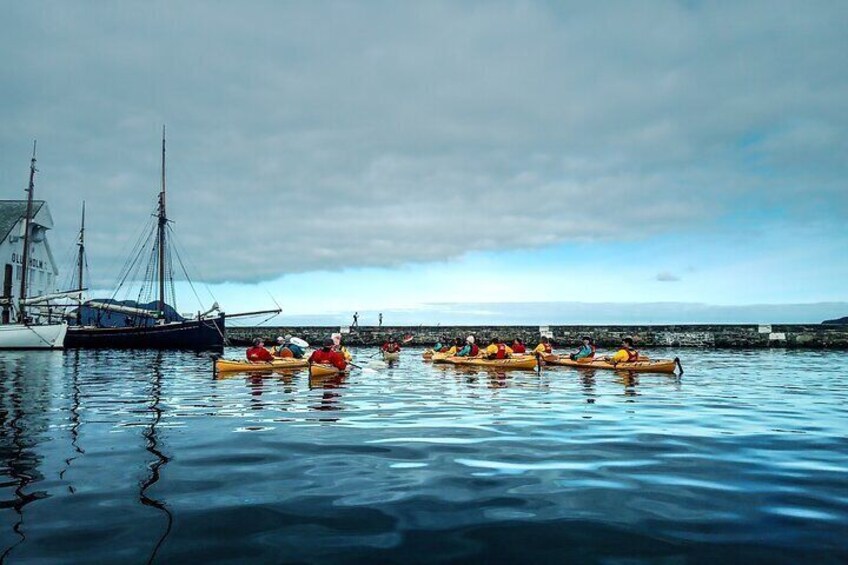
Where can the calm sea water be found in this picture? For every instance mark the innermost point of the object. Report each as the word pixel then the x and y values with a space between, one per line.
pixel 144 456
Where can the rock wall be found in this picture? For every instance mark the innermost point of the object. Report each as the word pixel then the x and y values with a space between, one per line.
pixel 713 336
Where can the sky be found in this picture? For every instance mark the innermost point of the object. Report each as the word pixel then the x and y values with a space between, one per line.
pixel 658 161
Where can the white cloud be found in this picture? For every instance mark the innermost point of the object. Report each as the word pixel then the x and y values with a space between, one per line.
pixel 322 136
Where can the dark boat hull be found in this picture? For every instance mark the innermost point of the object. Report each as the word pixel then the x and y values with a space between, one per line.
pixel 190 334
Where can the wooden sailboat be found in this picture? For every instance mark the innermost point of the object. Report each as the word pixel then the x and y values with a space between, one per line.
pixel 151 328
pixel 30 331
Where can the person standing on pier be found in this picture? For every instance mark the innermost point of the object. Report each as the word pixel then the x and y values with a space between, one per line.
pixel 355 320
pixel 380 321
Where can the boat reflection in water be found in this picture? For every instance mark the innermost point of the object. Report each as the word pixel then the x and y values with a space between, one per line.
pixel 24 406
pixel 152 445
pixel 74 430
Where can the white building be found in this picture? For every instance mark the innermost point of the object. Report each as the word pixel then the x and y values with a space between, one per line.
pixel 43 273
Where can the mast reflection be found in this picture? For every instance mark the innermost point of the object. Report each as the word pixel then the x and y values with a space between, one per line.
pixel 75 417
pixel 160 459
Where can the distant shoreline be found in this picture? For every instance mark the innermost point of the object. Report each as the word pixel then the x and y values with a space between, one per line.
pixel 731 336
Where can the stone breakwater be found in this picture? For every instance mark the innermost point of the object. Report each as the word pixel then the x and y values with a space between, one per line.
pixel 712 336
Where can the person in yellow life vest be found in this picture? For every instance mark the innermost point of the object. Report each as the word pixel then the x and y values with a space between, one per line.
pixel 453 349
pixel 626 354
pixel 498 349
pixel 544 348
pixel 337 346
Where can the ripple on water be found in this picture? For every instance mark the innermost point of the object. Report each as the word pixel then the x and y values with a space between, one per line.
pixel 743 458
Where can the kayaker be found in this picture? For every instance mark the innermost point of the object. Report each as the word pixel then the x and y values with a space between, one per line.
pixel 498 349
pixel 281 344
pixel 627 354
pixel 453 349
pixel 337 346
pixel 296 350
pixel 391 346
pixel 470 349
pixel 544 348
pixel 442 345
pixel 327 356
pixel 586 351
pixel 258 353
pixel 518 346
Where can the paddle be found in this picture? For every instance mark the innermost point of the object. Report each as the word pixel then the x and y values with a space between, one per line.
pixel 538 363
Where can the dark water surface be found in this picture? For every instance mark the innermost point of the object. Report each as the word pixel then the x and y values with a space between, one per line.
pixel 132 457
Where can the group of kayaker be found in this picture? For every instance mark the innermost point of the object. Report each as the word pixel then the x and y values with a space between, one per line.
pixel 287 347
pixel 334 353
pixel 498 349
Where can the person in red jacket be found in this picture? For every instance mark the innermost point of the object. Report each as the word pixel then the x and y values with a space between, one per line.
pixel 327 356
pixel 391 346
pixel 518 346
pixel 258 353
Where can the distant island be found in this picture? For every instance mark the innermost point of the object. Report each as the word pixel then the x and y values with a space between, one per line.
pixel 837 322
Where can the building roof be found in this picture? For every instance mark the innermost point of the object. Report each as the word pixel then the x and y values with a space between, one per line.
pixel 12 211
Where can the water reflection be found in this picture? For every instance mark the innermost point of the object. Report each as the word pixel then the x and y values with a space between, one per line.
pixel 587 380
pixel 76 394
pixel 152 446
pixel 23 406
pixel 330 400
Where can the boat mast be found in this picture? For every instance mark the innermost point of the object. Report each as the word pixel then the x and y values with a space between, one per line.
pixel 163 223
pixel 27 224
pixel 81 245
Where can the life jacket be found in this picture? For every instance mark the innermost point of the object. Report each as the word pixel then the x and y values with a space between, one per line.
pixel 391 347
pixel 501 353
pixel 519 348
pixel 475 351
pixel 592 354
pixel 548 348
pixel 632 355
pixel 258 354
pixel 322 357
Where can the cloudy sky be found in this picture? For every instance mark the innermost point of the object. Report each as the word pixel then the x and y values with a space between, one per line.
pixel 386 156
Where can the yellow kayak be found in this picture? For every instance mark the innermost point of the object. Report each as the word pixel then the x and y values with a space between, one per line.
pixel 644 366
pixel 522 362
pixel 319 370
pixel 440 357
pixel 230 365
